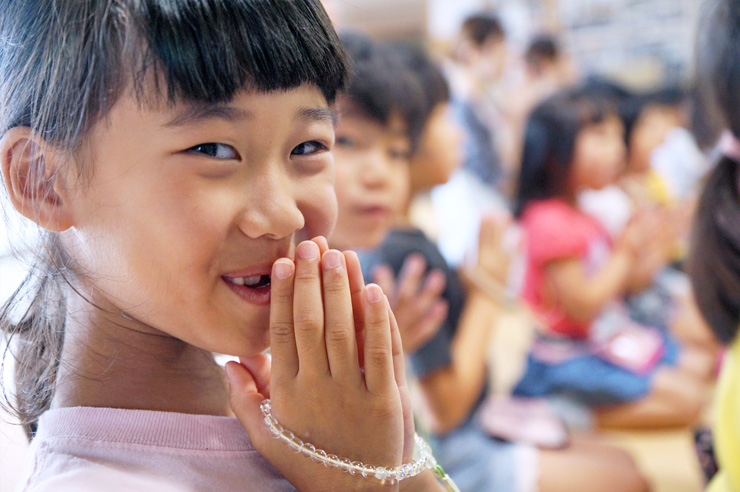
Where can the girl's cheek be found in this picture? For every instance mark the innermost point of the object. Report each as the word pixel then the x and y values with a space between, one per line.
pixel 320 212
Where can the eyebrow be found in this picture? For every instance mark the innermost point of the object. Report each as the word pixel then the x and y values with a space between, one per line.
pixel 193 114
pixel 318 114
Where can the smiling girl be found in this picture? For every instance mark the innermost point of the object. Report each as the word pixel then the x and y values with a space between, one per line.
pixel 173 155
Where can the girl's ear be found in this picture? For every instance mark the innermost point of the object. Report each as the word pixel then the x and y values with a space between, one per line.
pixel 32 171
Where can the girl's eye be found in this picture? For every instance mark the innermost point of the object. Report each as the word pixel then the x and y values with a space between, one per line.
pixel 308 148
pixel 215 150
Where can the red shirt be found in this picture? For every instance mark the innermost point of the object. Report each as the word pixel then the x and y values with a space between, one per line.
pixel 555 230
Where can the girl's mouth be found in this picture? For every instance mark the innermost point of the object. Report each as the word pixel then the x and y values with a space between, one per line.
pixel 254 289
pixel 254 282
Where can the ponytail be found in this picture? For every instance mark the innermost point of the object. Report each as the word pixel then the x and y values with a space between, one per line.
pixel 34 341
pixel 714 265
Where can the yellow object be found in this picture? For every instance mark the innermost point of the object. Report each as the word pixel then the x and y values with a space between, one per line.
pixel 658 190
pixel 727 424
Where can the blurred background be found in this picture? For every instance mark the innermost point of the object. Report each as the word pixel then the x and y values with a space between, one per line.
pixel 642 42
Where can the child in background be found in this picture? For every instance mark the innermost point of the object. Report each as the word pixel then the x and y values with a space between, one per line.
pixel 662 295
pixel 378 131
pixel 715 239
pixel 175 154
pixel 576 276
pixel 451 367
pixel 480 57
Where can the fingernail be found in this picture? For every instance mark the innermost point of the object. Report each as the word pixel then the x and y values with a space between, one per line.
pixel 373 294
pixel 282 270
pixel 307 250
pixel 332 259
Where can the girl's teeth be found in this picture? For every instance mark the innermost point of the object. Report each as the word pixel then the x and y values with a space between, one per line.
pixel 249 281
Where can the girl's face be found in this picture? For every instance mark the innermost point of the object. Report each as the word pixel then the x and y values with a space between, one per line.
pixel 649 133
pixel 188 207
pixel 372 178
pixel 599 155
pixel 440 150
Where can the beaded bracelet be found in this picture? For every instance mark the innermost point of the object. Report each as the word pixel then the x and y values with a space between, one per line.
pixel 423 458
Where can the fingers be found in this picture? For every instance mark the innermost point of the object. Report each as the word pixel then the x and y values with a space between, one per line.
pixel 383 276
pixel 416 336
pixel 491 231
pixel 308 309
pixel 245 400
pixel 434 285
pixel 399 373
pixel 357 288
pixel 341 347
pixel 409 278
pixel 322 243
pixel 259 367
pixel 282 335
pixel 379 374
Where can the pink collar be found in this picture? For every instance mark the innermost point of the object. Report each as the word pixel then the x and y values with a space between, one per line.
pixel 729 146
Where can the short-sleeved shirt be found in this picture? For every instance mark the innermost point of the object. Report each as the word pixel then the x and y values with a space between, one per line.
pixel 555 230
pixel 86 449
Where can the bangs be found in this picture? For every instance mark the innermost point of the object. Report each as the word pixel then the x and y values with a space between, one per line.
pixel 208 50
pixel 64 64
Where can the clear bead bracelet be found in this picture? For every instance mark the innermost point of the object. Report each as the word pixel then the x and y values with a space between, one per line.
pixel 423 458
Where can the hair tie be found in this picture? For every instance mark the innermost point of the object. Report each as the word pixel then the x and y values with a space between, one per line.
pixel 729 146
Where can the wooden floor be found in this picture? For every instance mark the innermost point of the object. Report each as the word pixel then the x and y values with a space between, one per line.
pixel 666 458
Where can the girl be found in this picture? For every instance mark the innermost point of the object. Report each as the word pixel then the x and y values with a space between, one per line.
pixel 174 153
pixel 575 275
pixel 714 258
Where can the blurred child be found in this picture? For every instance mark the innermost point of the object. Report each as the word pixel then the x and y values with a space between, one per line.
pixel 480 57
pixel 716 235
pixel 177 157
pixel 378 131
pixel 451 367
pixel 590 350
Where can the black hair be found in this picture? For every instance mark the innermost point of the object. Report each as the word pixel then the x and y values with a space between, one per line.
pixel 435 88
pixel 79 56
pixel 542 48
pixel 549 142
pixel 482 27
pixel 714 264
pixel 65 63
pixel 632 106
pixel 382 85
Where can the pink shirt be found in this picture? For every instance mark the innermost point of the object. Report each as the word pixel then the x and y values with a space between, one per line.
pixel 556 231
pixel 111 450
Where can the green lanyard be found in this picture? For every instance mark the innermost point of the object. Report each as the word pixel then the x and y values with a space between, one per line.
pixel 445 479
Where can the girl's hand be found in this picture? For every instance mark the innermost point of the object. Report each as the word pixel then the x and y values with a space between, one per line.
pixel 416 302
pixel 633 236
pixel 493 259
pixel 349 400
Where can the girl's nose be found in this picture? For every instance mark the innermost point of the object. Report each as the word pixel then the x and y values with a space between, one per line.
pixel 272 209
